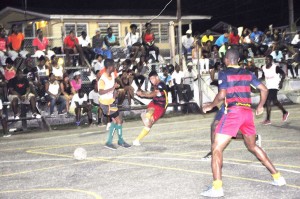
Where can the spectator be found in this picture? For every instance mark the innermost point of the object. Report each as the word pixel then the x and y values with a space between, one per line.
pixel 98 63
pixel 80 105
pixel 31 72
pixel 222 39
pixel 3 46
pixel 110 40
pixel 9 69
pixel 97 43
pixel 94 101
pixel 207 37
pixel 66 90
pixel 85 43
pixel 277 55
pixel 140 73
pixel 53 95
pixel 19 89
pixel 256 39
pixel 57 68
pixel 216 61
pixel 126 80
pixel 245 38
pixel 40 42
pixel 16 39
pixel 296 40
pixel 187 43
pixel 71 46
pixel 190 77
pixel 205 55
pixel 223 50
pixel 167 79
pixel 132 42
pixel 250 66
pixel 177 77
pixel 3 121
pixel 76 82
pixel 148 38
pixel 42 71
pixel 234 38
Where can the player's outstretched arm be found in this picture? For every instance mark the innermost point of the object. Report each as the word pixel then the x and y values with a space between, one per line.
pixel 218 99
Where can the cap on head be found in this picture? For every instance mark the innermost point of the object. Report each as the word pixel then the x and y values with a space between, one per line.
pixel 189 31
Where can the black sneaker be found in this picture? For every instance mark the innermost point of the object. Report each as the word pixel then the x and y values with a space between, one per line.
pixel 207 157
pixel 110 146
pixel 124 144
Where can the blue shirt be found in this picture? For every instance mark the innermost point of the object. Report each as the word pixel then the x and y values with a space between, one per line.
pixel 255 36
pixel 221 40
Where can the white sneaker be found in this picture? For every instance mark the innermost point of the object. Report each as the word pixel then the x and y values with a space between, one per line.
pixel 17 117
pixel 6 135
pixel 258 140
pixel 280 182
pixel 213 193
pixel 181 102
pixel 108 126
pixel 136 143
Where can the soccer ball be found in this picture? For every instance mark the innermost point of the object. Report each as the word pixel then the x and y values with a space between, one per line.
pixel 80 154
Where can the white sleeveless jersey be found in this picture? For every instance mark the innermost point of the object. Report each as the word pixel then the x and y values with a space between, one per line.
pixel 109 83
pixel 272 78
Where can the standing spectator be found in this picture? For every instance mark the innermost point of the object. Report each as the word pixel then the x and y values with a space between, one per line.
pixel 274 81
pixel 71 46
pixel 234 38
pixel 222 39
pixel 187 43
pixel 204 58
pixel 3 121
pixel 80 105
pixel 67 90
pixel 190 77
pixel 16 39
pixel 94 101
pixel 53 95
pixel 57 69
pixel 98 63
pixel 110 40
pixel 207 37
pixel 85 43
pixel 76 82
pixel 296 40
pixel 177 77
pixel 140 70
pixel 133 42
pixel 148 38
pixel 19 89
pixel 97 43
pixel 3 46
pixel 40 42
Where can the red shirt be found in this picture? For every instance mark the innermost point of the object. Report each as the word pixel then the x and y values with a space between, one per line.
pixel 3 42
pixel 41 45
pixel 69 42
pixel 16 40
pixel 234 39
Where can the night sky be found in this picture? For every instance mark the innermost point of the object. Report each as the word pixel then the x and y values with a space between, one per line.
pixel 247 13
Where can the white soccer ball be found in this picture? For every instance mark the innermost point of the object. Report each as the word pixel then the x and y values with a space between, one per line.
pixel 80 154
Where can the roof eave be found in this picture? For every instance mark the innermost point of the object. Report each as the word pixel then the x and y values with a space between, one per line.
pixel 7 9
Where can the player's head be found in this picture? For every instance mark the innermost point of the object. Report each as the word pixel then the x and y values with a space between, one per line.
pixel 94 84
pixel 153 77
pixel 232 57
pixel 269 60
pixel 80 93
pixel 109 65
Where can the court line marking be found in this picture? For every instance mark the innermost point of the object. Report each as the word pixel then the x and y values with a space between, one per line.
pixel 33 160
pixel 94 195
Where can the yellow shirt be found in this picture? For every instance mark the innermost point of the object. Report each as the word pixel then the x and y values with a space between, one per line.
pixel 105 83
pixel 204 39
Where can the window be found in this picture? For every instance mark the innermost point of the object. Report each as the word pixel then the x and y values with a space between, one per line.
pixel 77 27
pixel 161 31
pixel 114 26
pixel 164 33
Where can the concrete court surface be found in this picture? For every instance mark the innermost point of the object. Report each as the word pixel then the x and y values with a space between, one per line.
pixel 167 166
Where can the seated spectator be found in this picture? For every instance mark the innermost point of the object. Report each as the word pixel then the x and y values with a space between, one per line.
pixel 57 69
pixel 94 101
pixel 140 73
pixel 98 63
pixel 76 82
pixel 66 90
pixel 256 39
pixel 288 61
pixel 9 69
pixel 167 79
pixel 53 95
pixel 207 37
pixel 110 40
pixel 80 105
pixel 187 43
pixel 251 67
pixel 97 43
pixel 19 90
pixel 204 58
pixel 16 39
pixel 40 42
pixel 223 50
pixel 296 40
pixel 3 121
pixel 222 39
pixel 3 46
pixel 71 46
pixel 148 39
pixel 133 42
pixel 234 38
pixel 189 78
pixel 277 55
pixel 85 43
pixel 126 80
pixel 42 70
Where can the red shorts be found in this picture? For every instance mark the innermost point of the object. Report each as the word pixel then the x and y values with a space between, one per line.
pixel 237 118
pixel 158 111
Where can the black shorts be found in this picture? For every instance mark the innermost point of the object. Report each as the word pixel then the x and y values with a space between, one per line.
pixel 272 95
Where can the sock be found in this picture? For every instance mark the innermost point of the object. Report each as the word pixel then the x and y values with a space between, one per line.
pixel 111 133
pixel 217 184
pixel 99 120
pixel 120 133
pixel 276 176
pixel 144 132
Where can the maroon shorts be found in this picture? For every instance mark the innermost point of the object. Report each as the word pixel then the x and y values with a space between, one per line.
pixel 158 111
pixel 237 118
